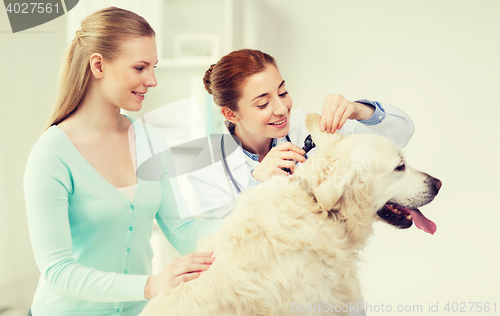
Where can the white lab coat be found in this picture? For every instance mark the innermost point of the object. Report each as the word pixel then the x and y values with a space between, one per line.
pixel 215 191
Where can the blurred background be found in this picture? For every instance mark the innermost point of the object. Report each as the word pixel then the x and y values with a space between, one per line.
pixel 437 60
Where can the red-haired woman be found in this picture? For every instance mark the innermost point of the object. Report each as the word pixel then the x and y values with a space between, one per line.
pixel 266 135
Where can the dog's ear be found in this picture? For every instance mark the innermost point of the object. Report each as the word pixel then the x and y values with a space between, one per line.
pixel 331 184
pixel 321 139
pixel 324 178
pixel 336 182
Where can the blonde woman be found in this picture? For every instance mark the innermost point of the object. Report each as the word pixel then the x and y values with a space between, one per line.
pixel 90 216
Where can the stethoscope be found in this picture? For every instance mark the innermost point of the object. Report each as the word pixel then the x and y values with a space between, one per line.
pixel 308 145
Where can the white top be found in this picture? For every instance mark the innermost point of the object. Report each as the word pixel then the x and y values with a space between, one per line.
pixel 129 192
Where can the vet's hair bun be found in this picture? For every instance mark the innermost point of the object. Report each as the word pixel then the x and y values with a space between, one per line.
pixel 207 79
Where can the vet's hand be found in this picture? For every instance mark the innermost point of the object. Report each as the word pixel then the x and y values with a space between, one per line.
pixel 338 109
pixel 180 270
pixel 281 156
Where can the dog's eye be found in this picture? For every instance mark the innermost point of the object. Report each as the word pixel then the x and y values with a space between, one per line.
pixel 401 167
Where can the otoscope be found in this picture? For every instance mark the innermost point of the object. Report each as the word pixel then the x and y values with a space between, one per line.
pixel 308 145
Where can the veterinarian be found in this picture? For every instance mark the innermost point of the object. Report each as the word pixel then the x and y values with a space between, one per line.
pixel 90 217
pixel 266 135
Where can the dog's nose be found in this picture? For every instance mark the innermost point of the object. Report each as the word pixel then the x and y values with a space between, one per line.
pixel 436 182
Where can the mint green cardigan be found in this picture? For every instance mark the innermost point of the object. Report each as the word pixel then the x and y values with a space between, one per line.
pixel 91 243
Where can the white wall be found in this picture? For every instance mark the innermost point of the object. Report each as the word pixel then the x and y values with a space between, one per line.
pixel 437 60
pixel 29 65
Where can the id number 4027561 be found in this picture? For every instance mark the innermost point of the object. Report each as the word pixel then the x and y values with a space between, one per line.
pixel 32 7
pixel 468 307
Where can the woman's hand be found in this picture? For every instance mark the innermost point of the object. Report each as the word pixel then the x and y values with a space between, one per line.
pixel 180 270
pixel 281 156
pixel 338 109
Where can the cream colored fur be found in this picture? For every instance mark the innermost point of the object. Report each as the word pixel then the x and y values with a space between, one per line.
pixel 297 241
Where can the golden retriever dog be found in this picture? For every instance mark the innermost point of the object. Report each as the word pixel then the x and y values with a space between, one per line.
pixel 291 246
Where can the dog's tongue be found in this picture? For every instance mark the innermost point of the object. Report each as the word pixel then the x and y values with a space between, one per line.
pixel 423 222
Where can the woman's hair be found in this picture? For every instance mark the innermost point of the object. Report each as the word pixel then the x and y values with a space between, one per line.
pixel 102 32
pixel 225 79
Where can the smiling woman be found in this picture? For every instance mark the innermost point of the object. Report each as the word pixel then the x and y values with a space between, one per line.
pixel 267 134
pixel 90 217
pixel 261 116
pixel 130 75
pixel 101 36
